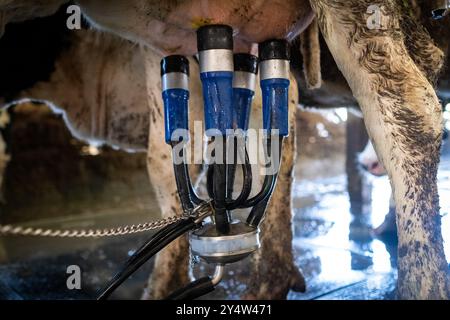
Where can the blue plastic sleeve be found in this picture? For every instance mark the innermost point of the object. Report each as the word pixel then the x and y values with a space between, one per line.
pixel 242 103
pixel 175 111
pixel 275 105
pixel 218 101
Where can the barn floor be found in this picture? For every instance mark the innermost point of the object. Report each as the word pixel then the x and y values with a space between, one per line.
pixel 333 248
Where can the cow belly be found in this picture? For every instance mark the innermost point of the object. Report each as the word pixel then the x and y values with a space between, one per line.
pixel 169 26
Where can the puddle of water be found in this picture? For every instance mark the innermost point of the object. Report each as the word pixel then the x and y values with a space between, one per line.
pixel 340 244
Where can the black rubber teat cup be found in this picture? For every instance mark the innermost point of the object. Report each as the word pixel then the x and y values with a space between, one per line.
pixel 274 56
pixel 274 49
pixel 245 70
pixel 215 50
pixel 274 69
pixel 175 94
pixel 244 82
pixel 245 62
pixel 175 63
pixel 216 36
pixel 175 73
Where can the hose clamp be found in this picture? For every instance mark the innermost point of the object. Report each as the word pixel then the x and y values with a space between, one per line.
pixel 216 60
pixel 244 80
pixel 175 80
pixel 274 69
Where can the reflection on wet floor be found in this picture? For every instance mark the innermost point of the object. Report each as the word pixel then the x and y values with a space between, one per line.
pixel 334 250
pixel 345 254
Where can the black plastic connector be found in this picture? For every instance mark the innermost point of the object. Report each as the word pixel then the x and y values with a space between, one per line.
pixel 175 63
pixel 245 62
pixel 217 36
pixel 274 49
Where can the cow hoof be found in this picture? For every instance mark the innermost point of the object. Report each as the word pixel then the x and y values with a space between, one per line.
pixel 388 229
pixel 275 287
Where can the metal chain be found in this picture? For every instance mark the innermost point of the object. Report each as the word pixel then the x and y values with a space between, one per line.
pixel 200 212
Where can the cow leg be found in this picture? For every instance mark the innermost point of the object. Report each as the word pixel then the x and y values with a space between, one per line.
pixel 274 271
pixel 359 190
pixel 389 226
pixel 404 119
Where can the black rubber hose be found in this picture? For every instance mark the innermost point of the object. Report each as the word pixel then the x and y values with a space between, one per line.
pixel 258 211
pixel 194 290
pixel 139 260
pixel 136 258
pixel 231 172
pixel 183 187
pixel 263 194
pixel 246 188
pixel 209 181
pixel 221 214
pixel 194 197
pixel 156 243
pixel 158 236
pixel 269 180
pixel 183 180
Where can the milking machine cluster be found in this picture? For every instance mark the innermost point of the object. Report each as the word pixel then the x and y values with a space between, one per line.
pixel 228 82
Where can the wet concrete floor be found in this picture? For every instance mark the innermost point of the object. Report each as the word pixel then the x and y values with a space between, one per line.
pixel 333 248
